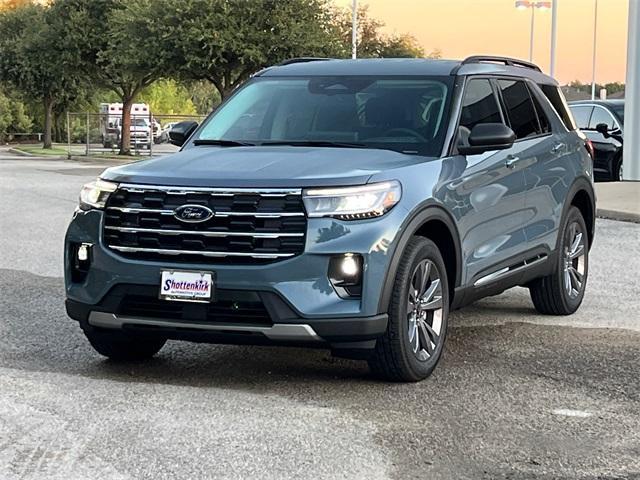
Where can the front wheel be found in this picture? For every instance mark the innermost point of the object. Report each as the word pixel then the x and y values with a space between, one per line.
pixel 122 346
pixel 418 315
pixel 561 293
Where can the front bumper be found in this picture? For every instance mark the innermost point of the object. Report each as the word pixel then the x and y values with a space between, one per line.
pixel 298 286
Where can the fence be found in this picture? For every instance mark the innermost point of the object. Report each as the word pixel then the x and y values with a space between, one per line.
pixel 99 134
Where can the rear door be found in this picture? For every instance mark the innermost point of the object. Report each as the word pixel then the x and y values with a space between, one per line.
pixel 538 154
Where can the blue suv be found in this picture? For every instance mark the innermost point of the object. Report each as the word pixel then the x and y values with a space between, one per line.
pixel 340 204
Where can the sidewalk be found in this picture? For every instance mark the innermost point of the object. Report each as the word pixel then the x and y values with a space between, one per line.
pixel 618 201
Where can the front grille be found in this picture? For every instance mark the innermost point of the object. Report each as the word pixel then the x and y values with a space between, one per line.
pixel 248 226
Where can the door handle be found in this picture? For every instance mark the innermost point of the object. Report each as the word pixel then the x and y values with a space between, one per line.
pixel 511 161
pixel 556 148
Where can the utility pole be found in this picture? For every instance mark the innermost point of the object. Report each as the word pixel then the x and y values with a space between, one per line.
pixel 631 151
pixel 595 38
pixel 354 29
pixel 554 37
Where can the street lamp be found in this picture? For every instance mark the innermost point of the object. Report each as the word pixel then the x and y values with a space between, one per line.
pixel 354 29
pixel 533 5
pixel 595 39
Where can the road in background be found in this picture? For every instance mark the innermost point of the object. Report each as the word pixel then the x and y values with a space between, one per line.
pixel 517 394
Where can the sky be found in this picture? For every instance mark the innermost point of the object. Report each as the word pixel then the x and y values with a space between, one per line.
pixel 459 28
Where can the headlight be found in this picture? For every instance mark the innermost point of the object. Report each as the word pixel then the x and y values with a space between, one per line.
pixel 95 194
pixel 352 203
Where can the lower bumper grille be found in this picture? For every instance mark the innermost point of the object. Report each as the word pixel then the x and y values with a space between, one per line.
pixel 245 226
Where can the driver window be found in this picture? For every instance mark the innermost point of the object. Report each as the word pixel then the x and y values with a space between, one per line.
pixel 479 105
pixel 600 115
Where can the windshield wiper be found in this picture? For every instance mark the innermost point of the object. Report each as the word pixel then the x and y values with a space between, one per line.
pixel 314 143
pixel 222 143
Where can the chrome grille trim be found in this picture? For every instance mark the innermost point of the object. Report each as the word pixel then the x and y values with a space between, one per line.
pixel 204 253
pixel 203 232
pixel 217 213
pixel 265 192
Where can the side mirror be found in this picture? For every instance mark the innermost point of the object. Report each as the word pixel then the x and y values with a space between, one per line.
pixel 603 128
pixel 488 136
pixel 181 132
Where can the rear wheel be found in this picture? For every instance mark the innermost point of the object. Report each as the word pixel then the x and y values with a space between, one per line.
pixel 616 170
pixel 418 315
pixel 123 346
pixel 561 293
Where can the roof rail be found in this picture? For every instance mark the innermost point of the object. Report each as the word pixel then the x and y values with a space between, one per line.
pixel 511 62
pixel 301 60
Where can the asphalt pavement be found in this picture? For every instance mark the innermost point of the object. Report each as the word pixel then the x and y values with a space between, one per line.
pixel 517 395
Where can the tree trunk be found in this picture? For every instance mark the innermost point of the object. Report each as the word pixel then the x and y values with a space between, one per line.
pixel 125 133
pixel 48 114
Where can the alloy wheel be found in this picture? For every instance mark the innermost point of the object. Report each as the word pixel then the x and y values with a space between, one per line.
pixel 425 310
pixel 574 260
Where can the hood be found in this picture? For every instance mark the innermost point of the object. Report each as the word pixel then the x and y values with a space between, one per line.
pixel 262 167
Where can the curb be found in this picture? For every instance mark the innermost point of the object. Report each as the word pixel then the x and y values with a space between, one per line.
pixel 618 215
pixel 20 152
pixel 84 158
pixel 15 151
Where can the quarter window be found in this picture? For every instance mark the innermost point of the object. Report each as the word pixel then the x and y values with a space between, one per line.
pixel 545 125
pixel 521 112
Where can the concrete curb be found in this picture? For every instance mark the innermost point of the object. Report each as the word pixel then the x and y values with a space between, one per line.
pixel 83 158
pixel 618 215
pixel 20 152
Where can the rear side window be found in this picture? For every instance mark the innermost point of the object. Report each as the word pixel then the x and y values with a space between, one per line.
pixel 555 96
pixel 545 125
pixel 479 104
pixel 582 115
pixel 520 109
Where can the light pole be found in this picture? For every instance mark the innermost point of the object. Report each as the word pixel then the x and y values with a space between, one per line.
pixel 554 37
pixel 354 29
pixel 595 38
pixel 523 5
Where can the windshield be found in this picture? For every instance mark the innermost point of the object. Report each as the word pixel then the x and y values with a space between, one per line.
pixel 405 115
pixel 139 122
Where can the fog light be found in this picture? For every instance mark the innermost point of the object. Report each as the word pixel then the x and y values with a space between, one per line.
pixel 349 266
pixel 83 252
pixel 345 274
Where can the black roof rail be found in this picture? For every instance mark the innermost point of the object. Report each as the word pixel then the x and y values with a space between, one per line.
pixel 511 62
pixel 301 60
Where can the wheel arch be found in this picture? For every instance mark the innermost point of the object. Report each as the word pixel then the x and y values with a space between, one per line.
pixel 582 196
pixel 430 221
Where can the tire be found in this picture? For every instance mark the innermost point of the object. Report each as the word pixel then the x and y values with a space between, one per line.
pixel 395 357
pixel 122 346
pixel 561 293
pixel 616 173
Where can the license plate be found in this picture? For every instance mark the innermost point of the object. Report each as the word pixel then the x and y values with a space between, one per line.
pixel 187 286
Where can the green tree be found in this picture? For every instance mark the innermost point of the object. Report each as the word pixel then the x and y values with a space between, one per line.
pixel 168 97
pixel 225 41
pixel 131 59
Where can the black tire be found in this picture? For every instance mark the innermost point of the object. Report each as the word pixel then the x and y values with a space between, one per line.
pixel 616 169
pixel 394 357
pixel 122 346
pixel 550 294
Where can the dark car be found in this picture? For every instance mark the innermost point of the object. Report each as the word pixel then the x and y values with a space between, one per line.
pixel 341 204
pixel 603 123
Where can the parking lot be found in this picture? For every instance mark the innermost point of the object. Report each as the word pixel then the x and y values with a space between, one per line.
pixel 517 395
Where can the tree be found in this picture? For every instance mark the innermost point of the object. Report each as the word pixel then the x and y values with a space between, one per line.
pixel 225 41
pixel 371 42
pixel 168 97
pixel 130 60
pixel 13 118
pixel 41 57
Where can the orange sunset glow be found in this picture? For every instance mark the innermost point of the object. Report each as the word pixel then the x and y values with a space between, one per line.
pixel 459 28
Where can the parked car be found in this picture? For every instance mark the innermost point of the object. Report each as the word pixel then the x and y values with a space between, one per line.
pixel 343 204
pixel 603 123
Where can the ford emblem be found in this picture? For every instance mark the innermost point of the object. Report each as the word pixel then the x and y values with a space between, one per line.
pixel 193 213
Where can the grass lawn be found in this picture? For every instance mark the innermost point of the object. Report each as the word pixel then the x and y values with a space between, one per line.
pixel 38 150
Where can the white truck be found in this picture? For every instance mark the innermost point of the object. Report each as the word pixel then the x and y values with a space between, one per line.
pixel 143 127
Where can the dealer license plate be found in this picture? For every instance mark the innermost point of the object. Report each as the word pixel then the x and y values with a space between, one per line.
pixel 187 286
